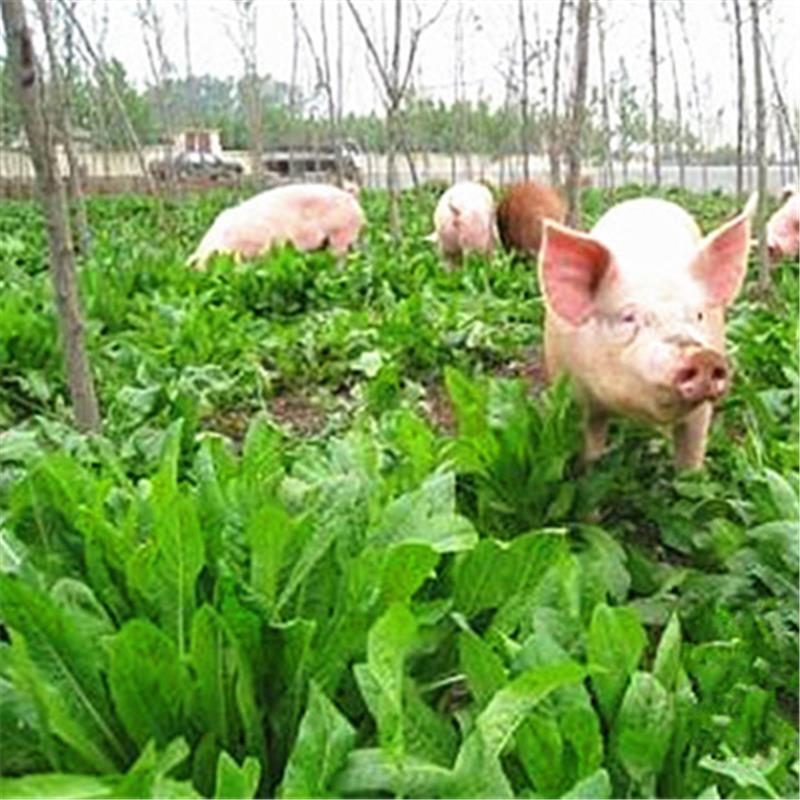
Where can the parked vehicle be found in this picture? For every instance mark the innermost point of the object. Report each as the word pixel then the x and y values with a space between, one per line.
pixel 312 161
pixel 194 165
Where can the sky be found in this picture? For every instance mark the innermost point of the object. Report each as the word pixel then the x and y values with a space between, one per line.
pixel 490 28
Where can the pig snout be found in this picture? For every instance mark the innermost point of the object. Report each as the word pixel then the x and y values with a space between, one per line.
pixel 703 375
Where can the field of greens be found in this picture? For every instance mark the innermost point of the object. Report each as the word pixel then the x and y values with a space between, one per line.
pixel 336 540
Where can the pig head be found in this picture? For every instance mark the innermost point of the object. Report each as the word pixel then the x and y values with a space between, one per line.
pixel 635 314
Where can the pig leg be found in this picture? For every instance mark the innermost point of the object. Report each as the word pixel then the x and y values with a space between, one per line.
pixel 689 438
pixel 595 428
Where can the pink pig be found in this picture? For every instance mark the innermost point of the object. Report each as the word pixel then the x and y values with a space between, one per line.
pixel 464 220
pixel 635 314
pixel 783 229
pixel 310 216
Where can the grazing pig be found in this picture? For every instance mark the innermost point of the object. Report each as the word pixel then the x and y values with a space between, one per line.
pixel 783 228
pixel 464 221
pixel 635 314
pixel 521 213
pixel 310 216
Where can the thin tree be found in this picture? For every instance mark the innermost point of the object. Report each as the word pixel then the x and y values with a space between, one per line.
pixel 780 102
pixel 601 36
pixel 523 98
pixel 656 135
pixel 59 112
pixel 27 85
pixel 740 110
pixel 245 39
pixel 680 13
pixel 554 143
pixel 322 67
pixel 111 90
pixel 578 114
pixel 676 89
pixel 761 155
pixel 394 82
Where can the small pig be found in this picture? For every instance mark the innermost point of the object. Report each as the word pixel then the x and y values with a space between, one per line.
pixel 310 216
pixel 464 221
pixel 521 213
pixel 783 228
pixel 635 314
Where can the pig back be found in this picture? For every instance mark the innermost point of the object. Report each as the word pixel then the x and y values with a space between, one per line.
pixel 521 212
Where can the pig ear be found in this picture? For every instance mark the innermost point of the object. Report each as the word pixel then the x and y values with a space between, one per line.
pixel 721 263
pixel 571 268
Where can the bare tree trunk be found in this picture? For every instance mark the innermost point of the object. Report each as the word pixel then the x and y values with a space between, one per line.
pixel 609 156
pixel 781 145
pixel 578 114
pixel 776 86
pixel 523 101
pixel 391 172
pixel 293 82
pixel 395 86
pixel 680 11
pixel 761 154
pixel 62 258
pixel 676 86
pixel 340 81
pixel 326 69
pixel 113 93
pixel 60 112
pixel 740 111
pixel 656 133
pixel 554 149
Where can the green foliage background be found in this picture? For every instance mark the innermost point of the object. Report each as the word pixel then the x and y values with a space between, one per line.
pixel 334 543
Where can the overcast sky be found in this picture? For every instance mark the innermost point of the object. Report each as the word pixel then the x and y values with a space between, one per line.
pixel 490 26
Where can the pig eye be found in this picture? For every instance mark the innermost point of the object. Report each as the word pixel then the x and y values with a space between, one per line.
pixel 700 316
pixel 628 317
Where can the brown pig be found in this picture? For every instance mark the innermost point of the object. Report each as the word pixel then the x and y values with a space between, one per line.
pixel 521 213
pixel 464 221
pixel 310 216
pixel 783 228
pixel 635 314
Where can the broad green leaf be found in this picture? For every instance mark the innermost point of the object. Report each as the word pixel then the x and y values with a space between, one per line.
pixel 178 560
pixel 62 666
pixel 373 772
pixel 497 723
pixel 269 530
pixel 668 655
pixel 596 786
pixel 427 733
pixel 784 496
pixel 381 678
pixel 323 742
pixel 405 567
pixel 494 570
pixel 616 641
pixel 212 691
pixel 148 683
pixel 333 522
pixel 469 401
pixel 540 749
pixel 54 785
pixel 746 772
pixel 482 666
pixel 478 771
pixel 426 516
pixel 148 775
pixel 234 781
pixel 643 729
pixel 571 708
pixel 261 454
